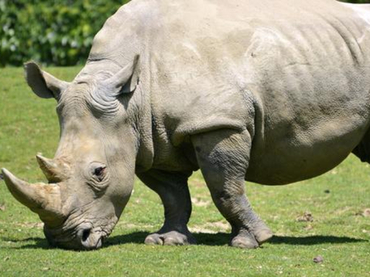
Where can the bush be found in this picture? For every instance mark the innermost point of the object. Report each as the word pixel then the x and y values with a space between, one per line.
pixel 357 1
pixel 58 32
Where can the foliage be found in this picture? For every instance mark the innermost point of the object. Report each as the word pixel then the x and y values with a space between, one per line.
pixel 338 230
pixel 58 32
pixel 357 1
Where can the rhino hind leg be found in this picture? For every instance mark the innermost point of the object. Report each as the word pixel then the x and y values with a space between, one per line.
pixel 173 190
pixel 223 157
pixel 362 150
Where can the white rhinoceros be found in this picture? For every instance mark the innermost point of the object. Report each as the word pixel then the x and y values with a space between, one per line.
pixel 268 91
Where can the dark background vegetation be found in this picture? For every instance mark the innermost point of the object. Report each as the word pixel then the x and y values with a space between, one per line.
pixel 57 32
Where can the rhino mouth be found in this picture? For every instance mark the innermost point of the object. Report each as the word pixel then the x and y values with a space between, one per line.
pixel 86 238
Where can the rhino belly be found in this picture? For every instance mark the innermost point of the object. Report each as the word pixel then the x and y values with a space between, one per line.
pixel 293 153
pixel 308 124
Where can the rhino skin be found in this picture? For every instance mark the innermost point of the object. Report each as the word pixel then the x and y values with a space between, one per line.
pixel 272 92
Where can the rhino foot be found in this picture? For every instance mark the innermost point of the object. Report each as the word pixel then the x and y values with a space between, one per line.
pixel 244 240
pixel 170 238
pixel 252 238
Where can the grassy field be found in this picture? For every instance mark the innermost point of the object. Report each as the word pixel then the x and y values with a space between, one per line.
pixel 327 216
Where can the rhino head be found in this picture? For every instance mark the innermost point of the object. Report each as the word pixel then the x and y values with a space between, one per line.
pixel 91 177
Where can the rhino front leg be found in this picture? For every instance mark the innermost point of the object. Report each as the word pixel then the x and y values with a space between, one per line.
pixel 223 157
pixel 173 190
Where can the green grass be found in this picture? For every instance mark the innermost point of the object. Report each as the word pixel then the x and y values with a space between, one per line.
pixel 339 232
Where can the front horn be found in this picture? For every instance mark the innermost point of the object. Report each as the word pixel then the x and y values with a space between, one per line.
pixel 43 199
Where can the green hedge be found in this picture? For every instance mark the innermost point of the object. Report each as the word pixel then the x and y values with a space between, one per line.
pixel 57 32
pixel 357 1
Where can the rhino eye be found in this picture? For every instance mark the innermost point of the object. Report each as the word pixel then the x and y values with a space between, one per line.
pixel 99 172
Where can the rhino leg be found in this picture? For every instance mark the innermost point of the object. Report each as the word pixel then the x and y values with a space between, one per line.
pixel 173 190
pixel 362 150
pixel 223 157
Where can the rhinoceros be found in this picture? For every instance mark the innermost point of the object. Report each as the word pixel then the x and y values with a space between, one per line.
pixel 272 92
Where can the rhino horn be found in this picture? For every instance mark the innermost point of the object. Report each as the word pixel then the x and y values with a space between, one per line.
pixel 49 168
pixel 43 199
pixel 55 170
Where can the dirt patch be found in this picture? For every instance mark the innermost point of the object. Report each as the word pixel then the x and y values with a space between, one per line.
pixel 38 225
pixel 318 259
pixel 211 228
pixel 366 213
pixel 199 202
pixel 306 217
pixel 197 183
pixel 201 229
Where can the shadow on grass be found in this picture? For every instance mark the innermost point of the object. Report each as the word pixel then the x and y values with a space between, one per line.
pixel 218 239
pixel 312 240
pixel 135 237
pixel 223 239
pixel 34 243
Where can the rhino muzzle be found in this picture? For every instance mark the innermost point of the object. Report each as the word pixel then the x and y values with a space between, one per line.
pixel 86 238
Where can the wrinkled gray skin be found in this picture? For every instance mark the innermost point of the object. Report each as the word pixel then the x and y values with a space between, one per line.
pixel 268 91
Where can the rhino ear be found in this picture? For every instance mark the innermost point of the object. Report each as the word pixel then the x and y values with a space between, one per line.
pixel 42 83
pixel 125 80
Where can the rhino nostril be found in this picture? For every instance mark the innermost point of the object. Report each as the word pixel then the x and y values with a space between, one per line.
pixel 85 234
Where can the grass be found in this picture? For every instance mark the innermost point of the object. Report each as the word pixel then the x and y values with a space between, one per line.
pixel 339 230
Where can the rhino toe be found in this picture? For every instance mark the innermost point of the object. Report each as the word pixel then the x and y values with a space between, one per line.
pixel 263 235
pixel 153 239
pixel 244 241
pixel 261 232
pixel 170 238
